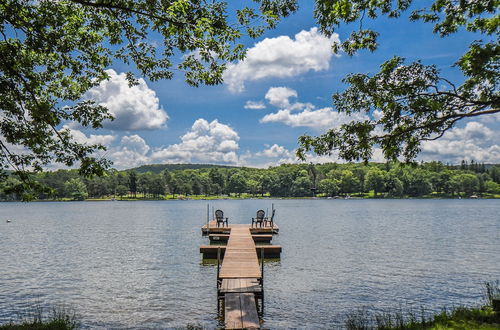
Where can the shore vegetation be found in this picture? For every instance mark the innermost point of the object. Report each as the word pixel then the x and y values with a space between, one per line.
pixel 38 318
pixel 331 180
pixel 485 317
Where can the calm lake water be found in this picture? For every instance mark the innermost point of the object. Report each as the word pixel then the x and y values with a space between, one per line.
pixel 137 264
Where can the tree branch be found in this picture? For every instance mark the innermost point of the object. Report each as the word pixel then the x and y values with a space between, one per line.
pixel 438 121
pixel 109 5
pixel 8 156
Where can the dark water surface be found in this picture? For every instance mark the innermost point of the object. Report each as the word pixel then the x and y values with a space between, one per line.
pixel 137 264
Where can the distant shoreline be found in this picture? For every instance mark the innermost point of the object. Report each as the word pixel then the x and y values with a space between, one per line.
pixel 249 198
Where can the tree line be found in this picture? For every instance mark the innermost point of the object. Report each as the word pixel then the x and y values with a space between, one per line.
pixel 389 179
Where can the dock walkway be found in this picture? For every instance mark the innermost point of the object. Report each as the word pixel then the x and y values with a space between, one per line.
pixel 240 258
pixel 239 275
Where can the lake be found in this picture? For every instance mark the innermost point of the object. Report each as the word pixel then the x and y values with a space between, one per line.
pixel 137 264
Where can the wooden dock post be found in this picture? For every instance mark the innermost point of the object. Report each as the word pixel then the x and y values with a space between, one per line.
pixel 262 281
pixel 218 280
pixel 208 217
pixel 218 263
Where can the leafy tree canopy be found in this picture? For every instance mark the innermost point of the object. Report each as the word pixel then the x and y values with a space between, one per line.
pixel 413 101
pixel 52 52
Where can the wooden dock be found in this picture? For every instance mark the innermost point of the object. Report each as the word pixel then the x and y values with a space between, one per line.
pixel 240 278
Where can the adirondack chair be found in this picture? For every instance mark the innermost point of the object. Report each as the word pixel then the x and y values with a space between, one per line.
pixel 259 219
pixel 219 217
pixel 270 220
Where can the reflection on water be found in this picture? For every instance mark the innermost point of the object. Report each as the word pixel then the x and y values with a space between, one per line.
pixel 137 264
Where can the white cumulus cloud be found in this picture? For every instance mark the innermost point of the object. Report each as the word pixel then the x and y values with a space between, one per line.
pixel 205 142
pixel 212 142
pixel 275 155
pixel 319 119
pixel 80 137
pixel 279 96
pixel 134 108
pixel 303 114
pixel 474 131
pixel 275 151
pixel 254 105
pixel 135 143
pixel 473 141
pixel 495 117
pixel 282 57
pixel 131 152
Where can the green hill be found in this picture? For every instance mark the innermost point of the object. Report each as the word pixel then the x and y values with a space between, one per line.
pixel 158 168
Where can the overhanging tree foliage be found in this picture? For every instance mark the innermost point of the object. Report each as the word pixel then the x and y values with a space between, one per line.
pixel 52 52
pixel 406 104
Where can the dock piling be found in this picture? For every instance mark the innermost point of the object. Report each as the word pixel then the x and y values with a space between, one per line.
pixel 262 281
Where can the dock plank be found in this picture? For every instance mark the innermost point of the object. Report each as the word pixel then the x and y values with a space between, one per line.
pixel 239 285
pixel 232 311
pixel 240 311
pixel 249 316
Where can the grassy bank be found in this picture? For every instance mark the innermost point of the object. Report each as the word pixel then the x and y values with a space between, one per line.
pixel 483 318
pixel 43 325
pixel 58 318
pixel 463 318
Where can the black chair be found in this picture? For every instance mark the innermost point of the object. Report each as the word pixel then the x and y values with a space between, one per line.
pixel 259 219
pixel 270 220
pixel 219 217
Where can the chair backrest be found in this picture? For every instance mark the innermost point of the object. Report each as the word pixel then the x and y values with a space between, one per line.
pixel 260 215
pixel 219 215
pixel 272 214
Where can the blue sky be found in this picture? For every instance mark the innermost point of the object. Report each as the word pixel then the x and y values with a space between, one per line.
pixel 281 91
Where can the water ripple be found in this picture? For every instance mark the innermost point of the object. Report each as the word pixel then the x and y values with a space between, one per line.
pixel 136 265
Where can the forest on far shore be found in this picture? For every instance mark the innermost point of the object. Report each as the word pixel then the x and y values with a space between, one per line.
pixel 371 180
